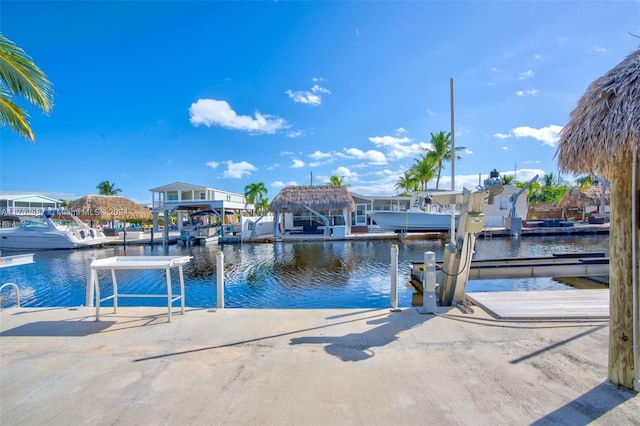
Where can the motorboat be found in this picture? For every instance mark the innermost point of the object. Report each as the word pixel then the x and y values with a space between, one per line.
pixel 427 213
pixel 52 232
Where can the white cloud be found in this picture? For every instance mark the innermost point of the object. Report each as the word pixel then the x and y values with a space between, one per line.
pixel 532 92
pixel 430 113
pixel 525 75
pixel 273 166
pixel 213 164
pixel 505 148
pixel 389 141
pixel 304 97
pixel 399 147
pixel 317 79
pixel 344 171
pixel 281 184
pixel 547 135
pixel 371 155
pixel 297 164
pixel 319 89
pixel 211 112
pixel 502 135
pixel 400 130
pixel 295 134
pixel 238 170
pixel 318 155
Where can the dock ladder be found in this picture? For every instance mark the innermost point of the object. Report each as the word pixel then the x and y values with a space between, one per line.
pixel 15 288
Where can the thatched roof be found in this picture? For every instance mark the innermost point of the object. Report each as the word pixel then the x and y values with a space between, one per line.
pixel 591 197
pixel 604 127
pixel 108 207
pixel 319 198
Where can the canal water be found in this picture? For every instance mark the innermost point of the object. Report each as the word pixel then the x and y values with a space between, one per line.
pixel 341 274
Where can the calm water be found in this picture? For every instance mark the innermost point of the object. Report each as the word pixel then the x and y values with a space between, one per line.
pixel 353 274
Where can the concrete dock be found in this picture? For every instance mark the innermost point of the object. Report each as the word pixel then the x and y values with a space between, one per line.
pixel 303 367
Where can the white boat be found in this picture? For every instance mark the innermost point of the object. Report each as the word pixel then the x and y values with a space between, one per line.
pixel 47 233
pixel 424 214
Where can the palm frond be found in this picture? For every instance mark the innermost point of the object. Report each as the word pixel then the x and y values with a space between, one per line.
pixel 15 117
pixel 23 77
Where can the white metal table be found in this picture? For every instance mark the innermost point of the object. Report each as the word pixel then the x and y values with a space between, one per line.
pixel 139 263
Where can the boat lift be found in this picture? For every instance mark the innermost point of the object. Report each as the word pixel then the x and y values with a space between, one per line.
pixel 513 222
pixel 457 255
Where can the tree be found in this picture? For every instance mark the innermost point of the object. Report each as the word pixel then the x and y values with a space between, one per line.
pixel 106 188
pixel 19 76
pixel 337 181
pixel 441 142
pixel 424 169
pixel 507 180
pixel 549 179
pixel 255 192
pixel 408 182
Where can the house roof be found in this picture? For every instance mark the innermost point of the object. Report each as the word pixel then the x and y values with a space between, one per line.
pixel 31 198
pixel 320 198
pixel 108 207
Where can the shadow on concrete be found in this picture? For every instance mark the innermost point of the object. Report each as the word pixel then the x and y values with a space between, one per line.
pixel 257 339
pixel 354 347
pixel 557 344
pixel 590 406
pixel 58 328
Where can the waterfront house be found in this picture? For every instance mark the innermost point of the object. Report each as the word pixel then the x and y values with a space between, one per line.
pixel 26 204
pixel 186 199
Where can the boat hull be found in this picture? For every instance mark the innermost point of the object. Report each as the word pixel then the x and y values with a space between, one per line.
pixel 409 221
pixel 17 239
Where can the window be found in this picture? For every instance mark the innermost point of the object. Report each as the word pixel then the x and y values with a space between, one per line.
pixel 504 203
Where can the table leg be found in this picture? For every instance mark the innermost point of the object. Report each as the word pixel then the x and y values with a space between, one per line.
pixel 181 288
pixel 115 291
pixel 96 283
pixel 169 297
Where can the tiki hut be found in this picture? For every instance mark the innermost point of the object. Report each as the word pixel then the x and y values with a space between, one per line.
pixel 602 136
pixel 595 196
pixel 108 208
pixel 323 202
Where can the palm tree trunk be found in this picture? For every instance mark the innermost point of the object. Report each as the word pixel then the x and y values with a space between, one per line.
pixel 620 280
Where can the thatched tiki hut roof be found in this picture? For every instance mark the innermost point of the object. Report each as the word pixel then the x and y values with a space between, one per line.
pixel 320 198
pixel 591 197
pixel 602 136
pixel 108 207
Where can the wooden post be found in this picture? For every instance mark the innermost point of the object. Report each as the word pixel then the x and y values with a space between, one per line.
pixel 620 279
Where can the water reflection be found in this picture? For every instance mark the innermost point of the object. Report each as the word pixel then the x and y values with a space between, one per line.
pixel 351 274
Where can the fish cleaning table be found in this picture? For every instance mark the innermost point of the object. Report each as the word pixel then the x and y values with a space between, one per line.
pixel 119 263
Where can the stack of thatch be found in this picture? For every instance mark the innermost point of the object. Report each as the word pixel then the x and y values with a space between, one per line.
pixel 108 207
pixel 591 197
pixel 319 198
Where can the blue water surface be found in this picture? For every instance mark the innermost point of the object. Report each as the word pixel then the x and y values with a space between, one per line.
pixel 314 274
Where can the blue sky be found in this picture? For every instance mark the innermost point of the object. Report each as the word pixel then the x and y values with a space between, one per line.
pixel 223 94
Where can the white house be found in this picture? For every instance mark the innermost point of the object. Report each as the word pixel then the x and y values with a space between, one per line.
pixel 185 199
pixel 26 204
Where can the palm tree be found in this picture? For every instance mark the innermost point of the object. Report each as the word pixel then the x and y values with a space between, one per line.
pixel 424 169
pixel 106 188
pixel 549 179
pixel 255 192
pixel 507 180
pixel 336 180
pixel 408 182
pixel 263 205
pixel 20 76
pixel 441 142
